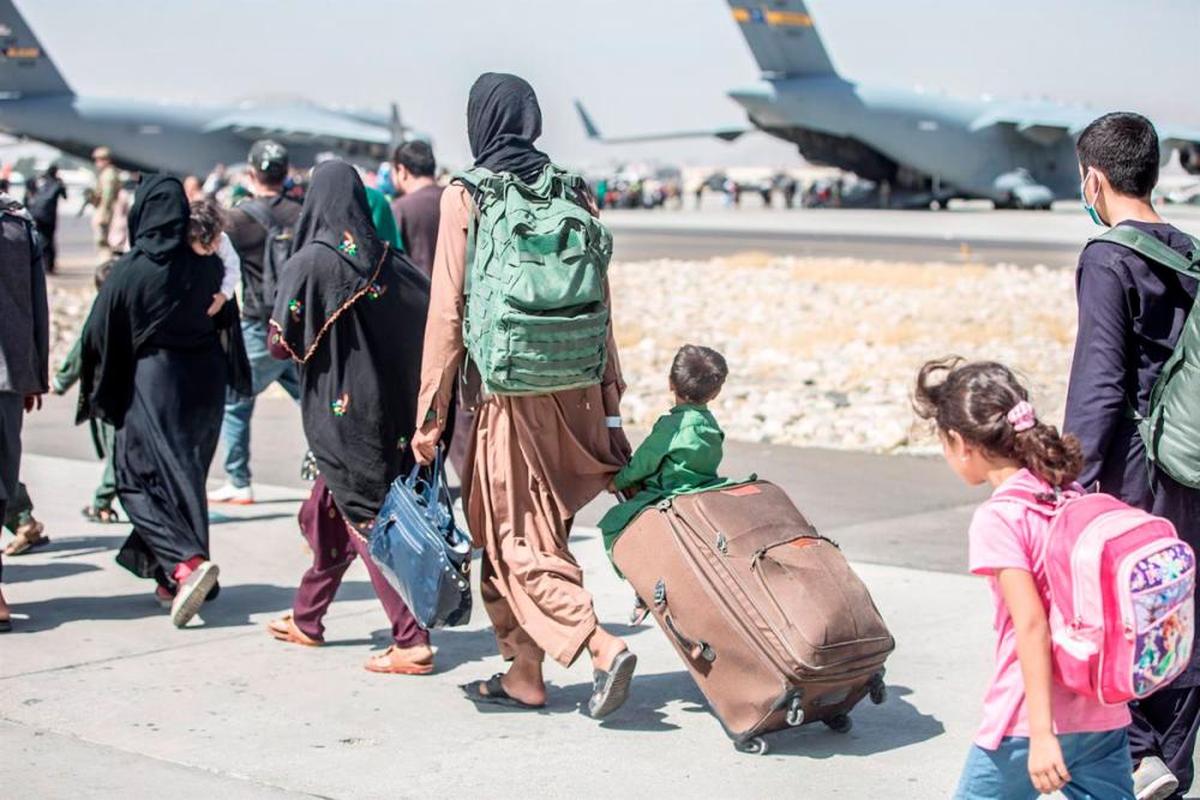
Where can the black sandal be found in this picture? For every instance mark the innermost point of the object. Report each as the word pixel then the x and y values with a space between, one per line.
pixel 103 516
pixel 612 687
pixel 5 626
pixel 496 695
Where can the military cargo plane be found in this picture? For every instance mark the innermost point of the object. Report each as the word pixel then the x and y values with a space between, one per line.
pixel 37 103
pixel 919 149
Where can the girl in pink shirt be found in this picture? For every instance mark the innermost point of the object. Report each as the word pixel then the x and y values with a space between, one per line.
pixel 1037 736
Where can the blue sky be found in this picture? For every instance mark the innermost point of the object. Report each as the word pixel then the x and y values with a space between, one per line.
pixel 640 65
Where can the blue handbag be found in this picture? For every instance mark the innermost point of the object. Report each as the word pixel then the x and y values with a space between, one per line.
pixel 420 551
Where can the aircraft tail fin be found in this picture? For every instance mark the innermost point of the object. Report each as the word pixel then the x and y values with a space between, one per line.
pixel 25 67
pixel 782 37
pixel 589 125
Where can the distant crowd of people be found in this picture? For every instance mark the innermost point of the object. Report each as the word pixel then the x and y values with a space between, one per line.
pixel 373 315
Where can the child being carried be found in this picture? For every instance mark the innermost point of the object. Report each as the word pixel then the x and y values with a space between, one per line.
pixel 683 452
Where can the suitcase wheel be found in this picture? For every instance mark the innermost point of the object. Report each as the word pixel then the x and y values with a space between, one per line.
pixel 795 714
pixel 840 724
pixel 755 747
pixel 879 691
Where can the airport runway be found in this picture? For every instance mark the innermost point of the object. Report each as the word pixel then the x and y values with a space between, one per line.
pixel 965 236
pixel 968 235
pixel 645 243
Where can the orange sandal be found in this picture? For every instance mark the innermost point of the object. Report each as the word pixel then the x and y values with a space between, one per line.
pixel 284 629
pixel 390 662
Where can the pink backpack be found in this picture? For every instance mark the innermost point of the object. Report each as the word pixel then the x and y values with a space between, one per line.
pixel 1121 595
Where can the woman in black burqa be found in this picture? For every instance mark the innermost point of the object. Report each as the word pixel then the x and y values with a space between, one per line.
pixel 351 311
pixel 155 366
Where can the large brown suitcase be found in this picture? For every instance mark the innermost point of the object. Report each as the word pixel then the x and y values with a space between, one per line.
pixel 776 628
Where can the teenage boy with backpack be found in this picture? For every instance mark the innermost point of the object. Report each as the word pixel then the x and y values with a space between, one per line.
pixel 261 230
pixel 1135 297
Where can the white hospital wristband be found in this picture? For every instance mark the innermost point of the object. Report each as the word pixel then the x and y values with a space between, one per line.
pixel 612 422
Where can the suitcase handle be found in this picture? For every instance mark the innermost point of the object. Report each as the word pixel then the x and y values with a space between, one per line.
pixel 696 649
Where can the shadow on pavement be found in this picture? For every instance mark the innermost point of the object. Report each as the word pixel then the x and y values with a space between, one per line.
pixel 18 572
pixel 895 724
pixel 217 518
pixel 75 545
pixel 239 601
pixel 232 608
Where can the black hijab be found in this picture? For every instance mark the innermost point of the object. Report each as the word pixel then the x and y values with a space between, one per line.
pixel 354 318
pixel 149 284
pixel 503 121
pixel 340 255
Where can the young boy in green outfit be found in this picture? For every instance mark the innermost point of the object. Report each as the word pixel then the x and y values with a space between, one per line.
pixel 683 452
pixel 103 435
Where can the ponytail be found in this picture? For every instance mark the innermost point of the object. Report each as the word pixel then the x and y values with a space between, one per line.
pixel 985 404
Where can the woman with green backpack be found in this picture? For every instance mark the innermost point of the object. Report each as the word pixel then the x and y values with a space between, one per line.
pixel 520 311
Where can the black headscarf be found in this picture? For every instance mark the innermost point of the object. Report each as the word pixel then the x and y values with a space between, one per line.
pixel 336 214
pixel 503 121
pixel 150 283
pixel 354 318
pixel 334 231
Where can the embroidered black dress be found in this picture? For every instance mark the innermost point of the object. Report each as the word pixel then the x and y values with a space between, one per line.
pixel 352 312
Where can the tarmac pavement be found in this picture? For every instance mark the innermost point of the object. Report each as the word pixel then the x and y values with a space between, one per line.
pixel 100 697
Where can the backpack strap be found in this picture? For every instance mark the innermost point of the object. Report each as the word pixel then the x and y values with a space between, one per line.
pixel 257 213
pixel 1154 250
pixel 1150 248
pixel 1047 504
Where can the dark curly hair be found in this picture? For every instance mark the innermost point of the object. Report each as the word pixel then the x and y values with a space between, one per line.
pixel 973 398
pixel 206 221
pixel 698 373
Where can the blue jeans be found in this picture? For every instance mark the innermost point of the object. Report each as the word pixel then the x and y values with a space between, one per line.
pixel 1098 762
pixel 264 370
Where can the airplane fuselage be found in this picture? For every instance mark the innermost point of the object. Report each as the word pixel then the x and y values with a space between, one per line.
pixel 905 135
pixel 153 137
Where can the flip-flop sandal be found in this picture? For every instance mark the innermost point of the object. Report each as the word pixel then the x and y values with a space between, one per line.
pixel 496 696
pixel 5 626
pixel 284 629
pixel 101 516
pixel 612 687
pixel 23 543
pixel 391 666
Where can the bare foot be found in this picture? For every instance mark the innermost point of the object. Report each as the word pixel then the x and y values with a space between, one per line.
pixel 523 682
pixel 604 647
pixel 416 660
pixel 5 612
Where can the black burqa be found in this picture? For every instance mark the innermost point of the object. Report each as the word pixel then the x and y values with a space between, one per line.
pixel 503 121
pixel 155 365
pixel 352 312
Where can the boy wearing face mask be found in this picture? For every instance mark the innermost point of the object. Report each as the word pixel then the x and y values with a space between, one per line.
pixel 1131 313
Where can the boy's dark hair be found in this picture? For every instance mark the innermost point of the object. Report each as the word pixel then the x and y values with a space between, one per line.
pixel 973 400
pixel 1124 146
pixel 698 373
pixel 417 158
pixel 206 222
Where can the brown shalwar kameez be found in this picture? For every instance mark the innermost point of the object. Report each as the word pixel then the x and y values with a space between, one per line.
pixel 532 464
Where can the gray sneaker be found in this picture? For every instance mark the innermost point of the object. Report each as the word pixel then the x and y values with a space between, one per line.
pixel 191 593
pixel 1153 781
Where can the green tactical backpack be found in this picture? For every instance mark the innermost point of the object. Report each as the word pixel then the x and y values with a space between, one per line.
pixel 536 316
pixel 1171 425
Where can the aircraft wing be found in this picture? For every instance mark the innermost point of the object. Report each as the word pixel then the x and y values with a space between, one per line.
pixel 593 132
pixel 1047 124
pixel 302 125
pixel 1042 124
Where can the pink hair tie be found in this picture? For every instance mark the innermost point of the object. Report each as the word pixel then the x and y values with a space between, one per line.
pixel 1022 417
